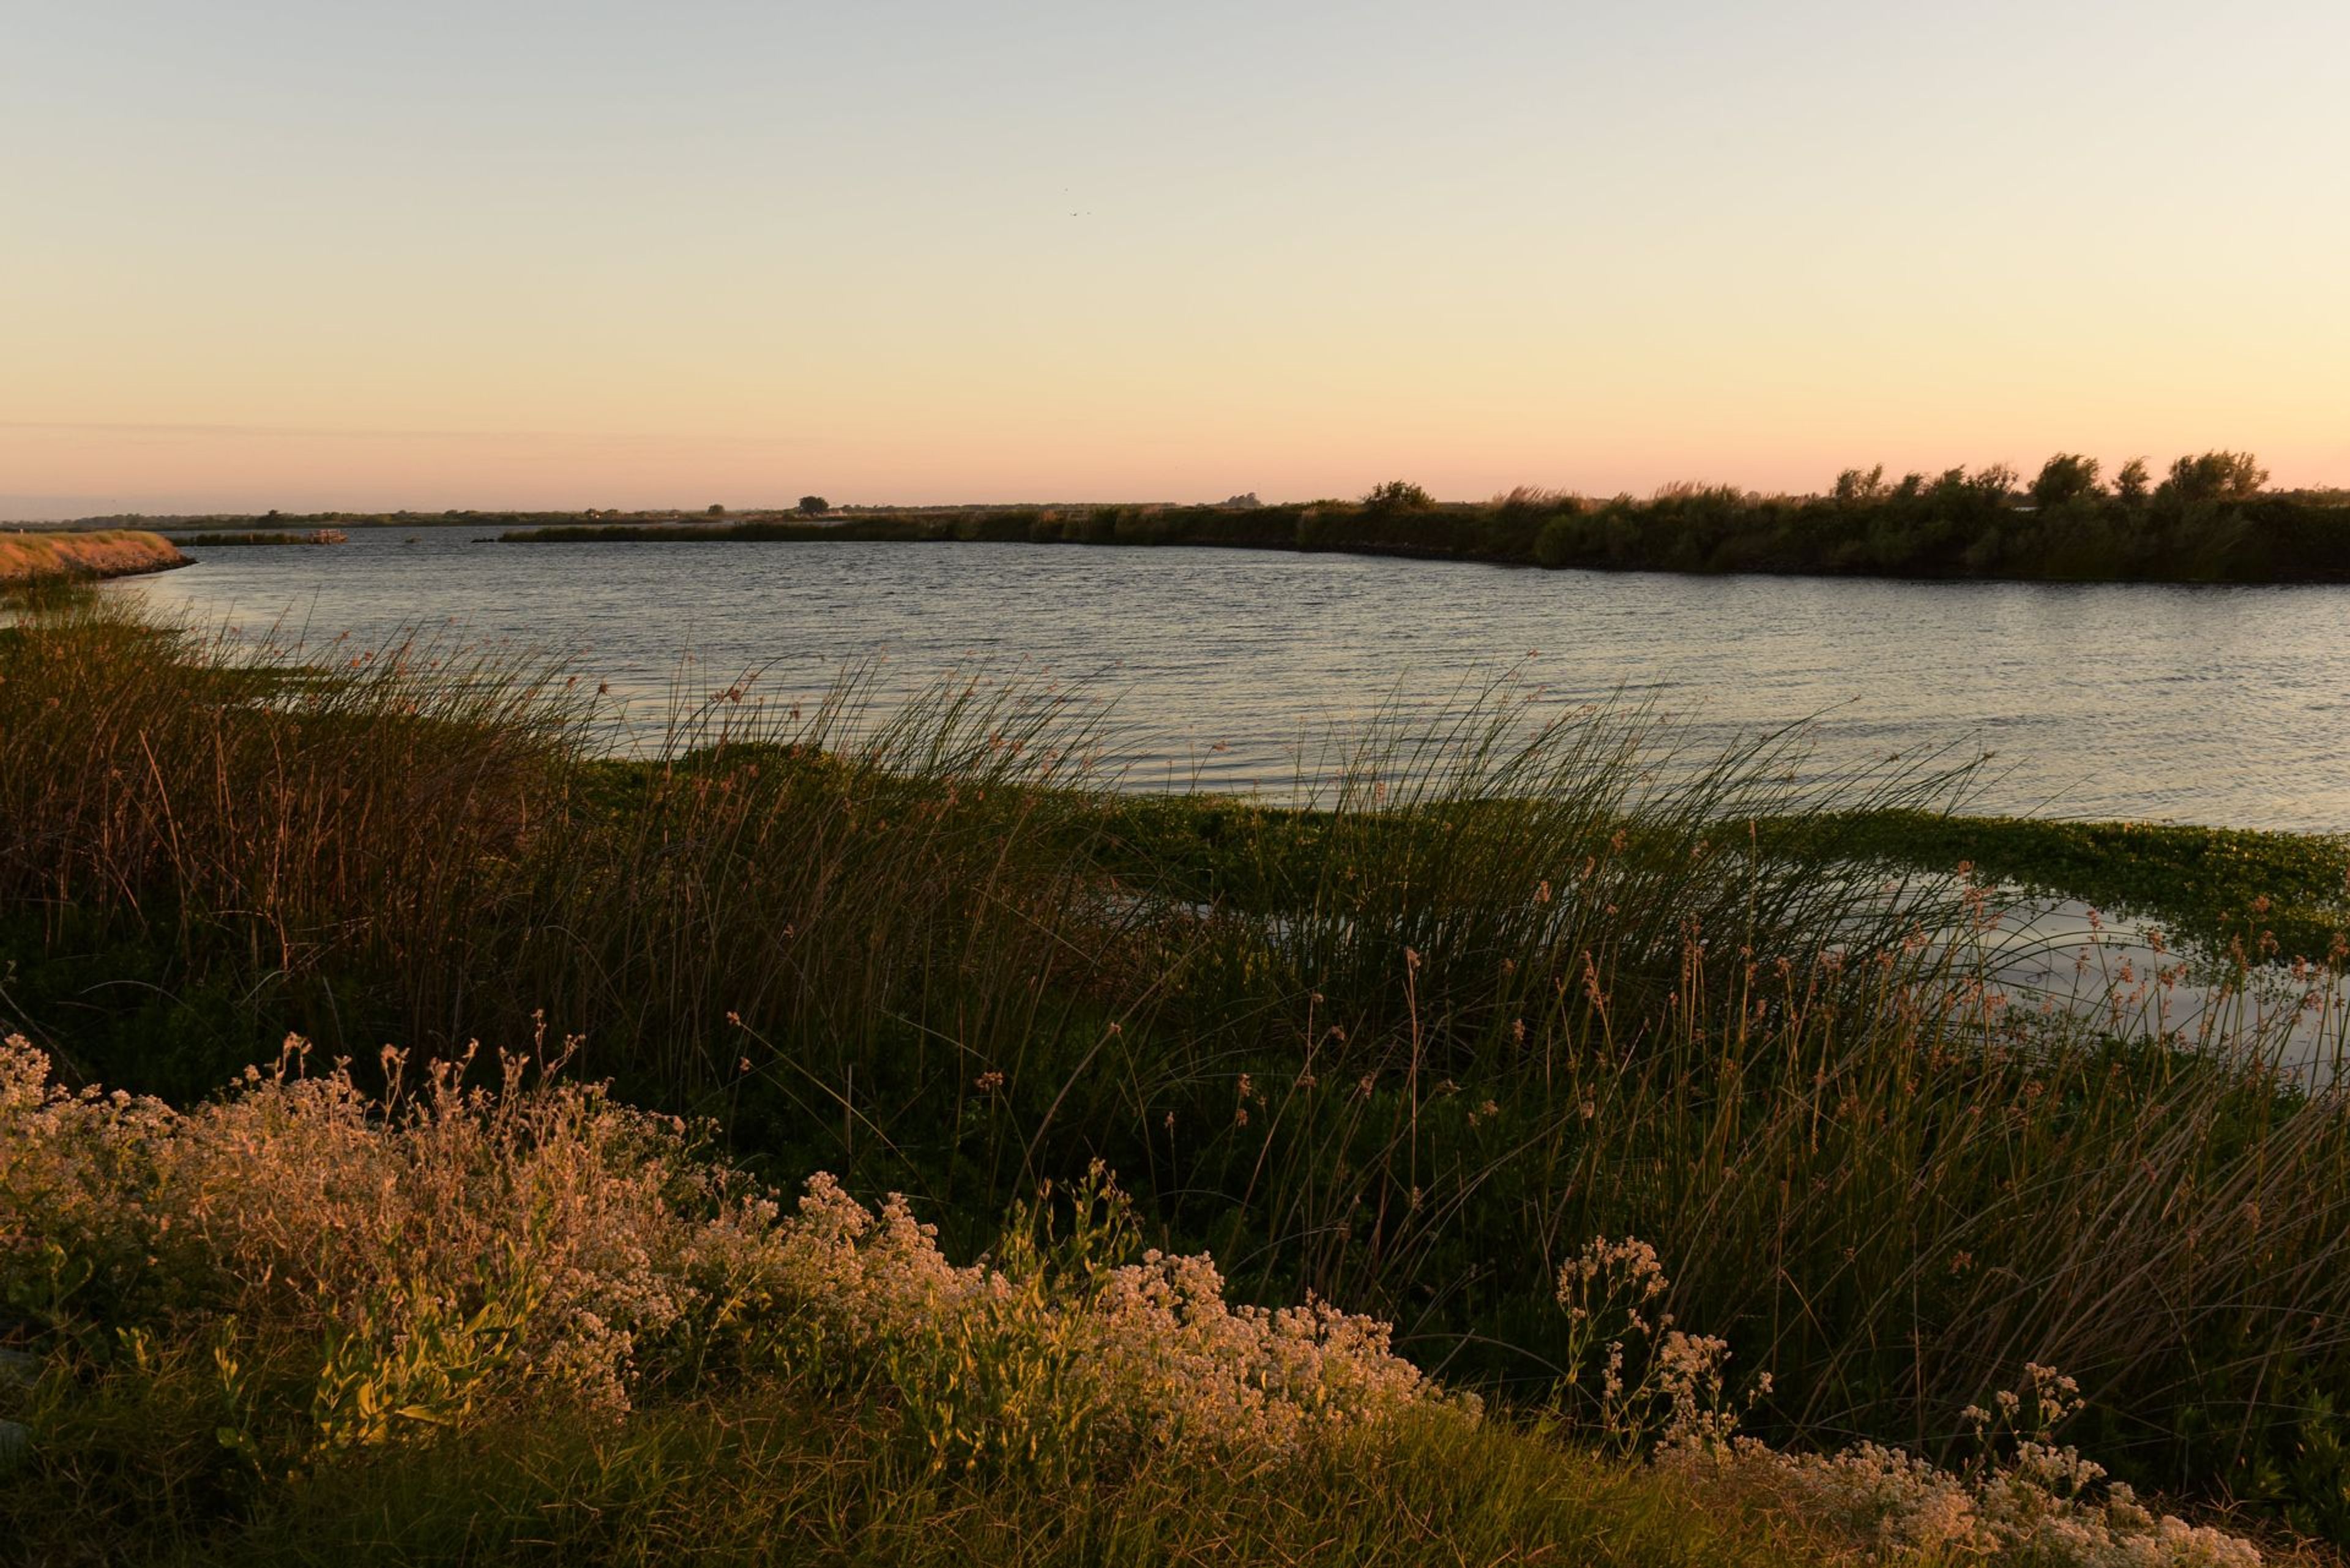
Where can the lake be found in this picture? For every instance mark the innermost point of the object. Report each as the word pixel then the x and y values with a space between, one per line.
pixel 2220 705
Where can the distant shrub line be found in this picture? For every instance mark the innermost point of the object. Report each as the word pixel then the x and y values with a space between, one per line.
pixel 267 536
pixel 2209 521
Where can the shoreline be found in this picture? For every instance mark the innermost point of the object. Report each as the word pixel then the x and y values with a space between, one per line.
pixel 2263 540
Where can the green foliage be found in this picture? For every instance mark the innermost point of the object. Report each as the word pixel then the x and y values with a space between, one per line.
pixel 2302 1468
pixel 772 1472
pixel 412 1361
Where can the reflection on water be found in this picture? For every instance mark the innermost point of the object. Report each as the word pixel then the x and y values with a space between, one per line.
pixel 2216 705
pixel 2123 976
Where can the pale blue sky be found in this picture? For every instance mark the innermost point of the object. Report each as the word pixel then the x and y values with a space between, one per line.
pixel 360 253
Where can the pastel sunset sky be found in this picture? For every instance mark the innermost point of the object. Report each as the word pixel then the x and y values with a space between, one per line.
pixel 312 253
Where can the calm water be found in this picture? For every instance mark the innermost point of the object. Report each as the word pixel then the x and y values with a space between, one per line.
pixel 2216 705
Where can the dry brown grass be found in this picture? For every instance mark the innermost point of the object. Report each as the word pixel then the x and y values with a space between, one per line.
pixel 107 553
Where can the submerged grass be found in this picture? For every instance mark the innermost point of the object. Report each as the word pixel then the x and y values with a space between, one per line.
pixel 1507 989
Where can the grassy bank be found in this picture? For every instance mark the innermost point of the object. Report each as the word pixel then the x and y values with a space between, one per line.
pixel 31 559
pixel 763 1475
pixel 1960 525
pixel 1510 990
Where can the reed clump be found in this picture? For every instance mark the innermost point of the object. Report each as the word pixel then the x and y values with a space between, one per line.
pixel 1527 981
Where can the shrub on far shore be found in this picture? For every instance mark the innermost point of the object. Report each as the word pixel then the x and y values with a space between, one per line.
pixel 1398 495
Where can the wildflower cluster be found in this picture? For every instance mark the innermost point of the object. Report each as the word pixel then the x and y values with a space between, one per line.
pixel 2026 1500
pixel 2044 1504
pixel 443 1249
pixel 1050 1358
pixel 1614 1295
pixel 557 1235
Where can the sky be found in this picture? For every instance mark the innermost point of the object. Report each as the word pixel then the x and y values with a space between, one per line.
pixel 336 253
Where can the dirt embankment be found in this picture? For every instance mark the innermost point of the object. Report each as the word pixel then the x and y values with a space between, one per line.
pixel 63 557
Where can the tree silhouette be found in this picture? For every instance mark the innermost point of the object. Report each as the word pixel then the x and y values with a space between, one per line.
pixel 1398 495
pixel 2216 476
pixel 2067 476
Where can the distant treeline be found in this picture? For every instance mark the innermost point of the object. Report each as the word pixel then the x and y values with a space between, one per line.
pixel 267 536
pixel 2210 520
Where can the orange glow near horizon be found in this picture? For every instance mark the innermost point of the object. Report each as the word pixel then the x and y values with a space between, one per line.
pixel 309 262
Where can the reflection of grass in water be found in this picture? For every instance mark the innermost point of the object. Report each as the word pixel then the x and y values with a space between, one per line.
pixel 2217 886
pixel 1510 989
pixel 2278 893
